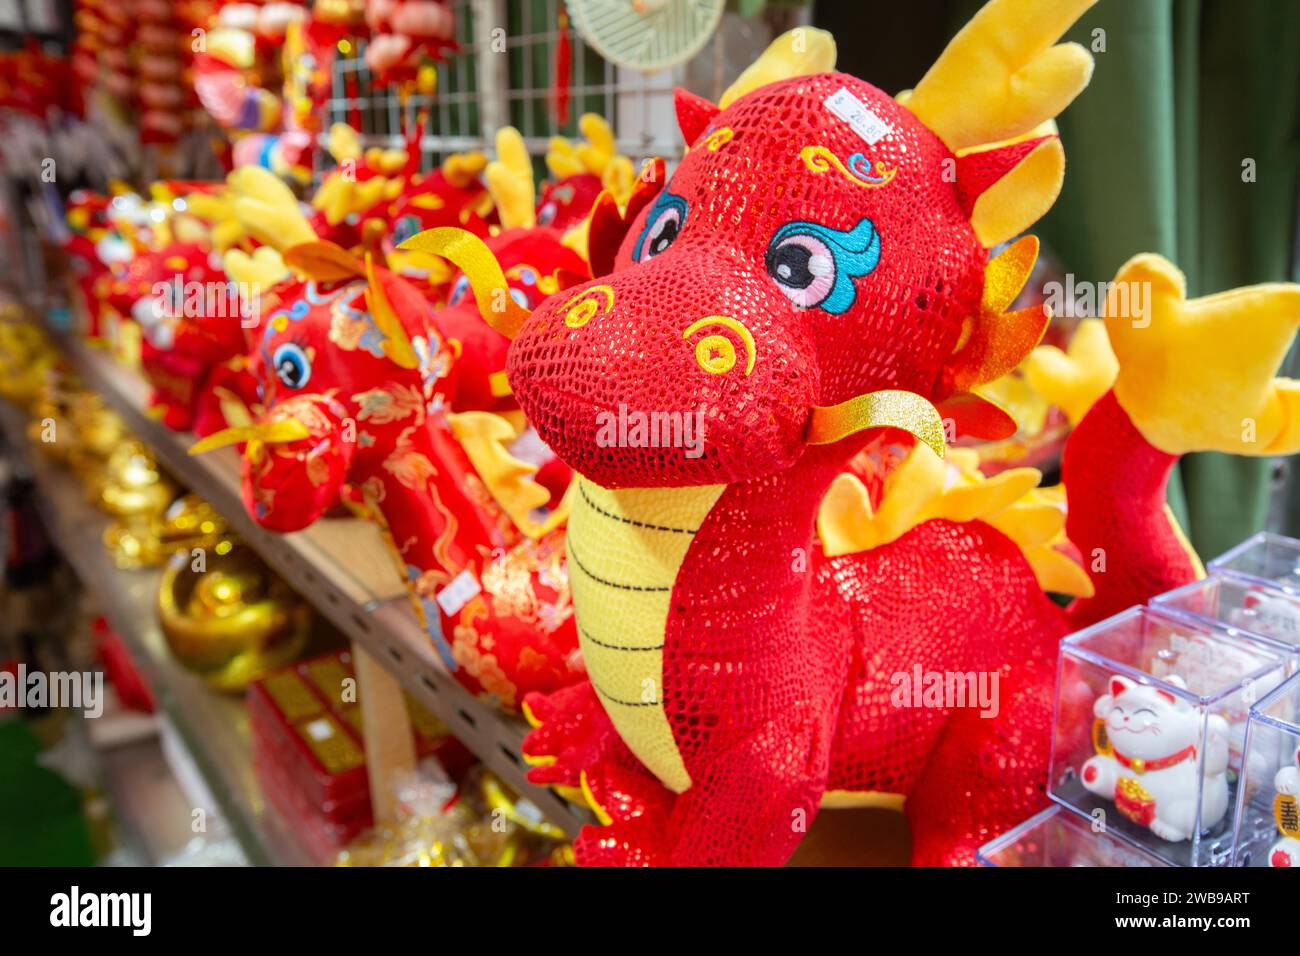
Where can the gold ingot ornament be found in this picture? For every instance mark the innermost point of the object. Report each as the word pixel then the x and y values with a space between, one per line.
pixel 148 541
pixel 134 485
pixel 227 617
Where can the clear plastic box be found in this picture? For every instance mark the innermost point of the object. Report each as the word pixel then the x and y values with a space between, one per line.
pixel 1151 714
pixel 1263 611
pixel 1264 558
pixel 1268 799
pixel 1060 837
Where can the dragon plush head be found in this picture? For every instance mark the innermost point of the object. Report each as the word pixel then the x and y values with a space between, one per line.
pixel 359 384
pixel 451 195
pixel 534 261
pixel 817 264
pixel 341 333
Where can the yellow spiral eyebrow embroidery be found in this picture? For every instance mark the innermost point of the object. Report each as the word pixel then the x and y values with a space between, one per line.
pixel 718 139
pixel 860 171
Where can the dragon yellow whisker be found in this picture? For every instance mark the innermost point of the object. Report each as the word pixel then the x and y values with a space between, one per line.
pixel 278 432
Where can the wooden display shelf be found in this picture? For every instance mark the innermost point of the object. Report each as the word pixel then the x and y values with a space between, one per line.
pixel 343 567
pixel 213 727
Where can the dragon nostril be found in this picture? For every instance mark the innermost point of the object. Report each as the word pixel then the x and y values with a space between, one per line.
pixel 584 306
pixel 716 353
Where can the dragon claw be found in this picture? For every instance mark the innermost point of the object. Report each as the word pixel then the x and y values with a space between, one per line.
pixel 575 749
pixel 1230 345
pixel 571 731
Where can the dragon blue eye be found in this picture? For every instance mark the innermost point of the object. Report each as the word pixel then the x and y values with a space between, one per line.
pixel 814 265
pixel 405 228
pixel 663 226
pixel 458 290
pixel 292 367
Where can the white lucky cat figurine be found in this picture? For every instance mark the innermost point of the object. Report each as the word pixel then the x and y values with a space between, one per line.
pixel 1286 851
pixel 1151 771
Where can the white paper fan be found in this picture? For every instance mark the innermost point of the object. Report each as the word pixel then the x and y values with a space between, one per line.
pixel 646 35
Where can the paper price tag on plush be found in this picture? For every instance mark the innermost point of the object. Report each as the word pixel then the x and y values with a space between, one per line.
pixel 853 111
pixel 462 589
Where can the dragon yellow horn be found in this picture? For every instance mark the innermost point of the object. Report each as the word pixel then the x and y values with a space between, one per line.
pixel 1004 73
pixel 278 432
pixel 510 181
pixel 267 208
pixel 798 52
pixel 471 255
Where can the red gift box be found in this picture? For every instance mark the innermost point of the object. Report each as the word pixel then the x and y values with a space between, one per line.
pixel 308 752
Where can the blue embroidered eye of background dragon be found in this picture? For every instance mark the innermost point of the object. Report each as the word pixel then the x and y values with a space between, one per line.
pixel 663 225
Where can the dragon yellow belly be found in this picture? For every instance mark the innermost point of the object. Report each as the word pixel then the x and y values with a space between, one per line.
pixel 622 567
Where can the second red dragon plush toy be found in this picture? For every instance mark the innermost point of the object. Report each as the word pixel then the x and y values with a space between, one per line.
pixel 365 386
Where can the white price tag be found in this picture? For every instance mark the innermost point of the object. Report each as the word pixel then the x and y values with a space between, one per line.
pixel 462 589
pixel 853 111
pixel 320 730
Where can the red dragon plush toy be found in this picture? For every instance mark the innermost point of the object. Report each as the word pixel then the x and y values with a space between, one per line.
pixel 451 195
pixel 363 384
pixel 191 316
pixel 811 286
pixel 580 172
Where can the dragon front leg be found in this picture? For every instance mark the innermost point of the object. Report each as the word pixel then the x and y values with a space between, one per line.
pixel 987 773
pixel 575 749
pixel 753 805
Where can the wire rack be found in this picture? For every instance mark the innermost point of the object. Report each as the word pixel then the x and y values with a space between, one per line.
pixel 503 72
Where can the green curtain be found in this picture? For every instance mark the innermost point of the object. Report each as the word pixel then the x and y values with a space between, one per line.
pixel 1185 92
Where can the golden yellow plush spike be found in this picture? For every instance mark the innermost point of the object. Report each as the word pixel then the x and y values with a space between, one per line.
pixel 260 269
pixel 599 149
pixel 343 143
pixel 267 208
pixel 460 169
pixel 924 488
pixel 1198 374
pixel 226 229
pixel 618 179
pixel 335 199
pixel 485 437
pixel 387 162
pixel 798 52
pixel 1004 73
pixel 1073 380
pixel 510 180
pixel 562 159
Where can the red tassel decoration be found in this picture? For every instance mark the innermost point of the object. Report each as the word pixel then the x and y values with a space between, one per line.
pixel 563 69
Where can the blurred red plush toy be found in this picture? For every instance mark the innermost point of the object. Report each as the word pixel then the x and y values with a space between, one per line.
pixel 360 381
pixel 403 32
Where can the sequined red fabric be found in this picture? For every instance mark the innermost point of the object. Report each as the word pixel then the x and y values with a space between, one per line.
pixel 1125 535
